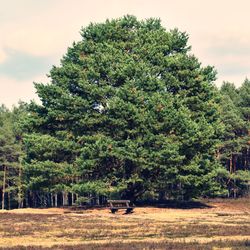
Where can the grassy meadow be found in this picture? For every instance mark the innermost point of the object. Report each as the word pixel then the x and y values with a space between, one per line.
pixel 221 224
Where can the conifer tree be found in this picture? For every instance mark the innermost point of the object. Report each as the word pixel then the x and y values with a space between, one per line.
pixel 234 150
pixel 10 160
pixel 129 109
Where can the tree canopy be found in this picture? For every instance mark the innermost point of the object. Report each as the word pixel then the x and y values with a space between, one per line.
pixel 130 110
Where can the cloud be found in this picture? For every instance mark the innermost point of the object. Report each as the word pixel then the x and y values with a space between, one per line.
pixel 22 66
pixel 234 69
pixel 230 53
pixel 39 32
pixel 235 45
pixel 2 55
pixel 11 90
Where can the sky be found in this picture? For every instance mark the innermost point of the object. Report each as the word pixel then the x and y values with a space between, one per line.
pixel 35 34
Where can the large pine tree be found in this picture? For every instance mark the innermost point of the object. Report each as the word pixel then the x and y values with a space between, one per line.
pixel 129 109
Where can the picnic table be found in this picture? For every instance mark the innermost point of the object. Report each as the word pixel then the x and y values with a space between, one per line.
pixel 115 205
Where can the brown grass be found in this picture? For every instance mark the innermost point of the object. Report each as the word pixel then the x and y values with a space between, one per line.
pixel 226 224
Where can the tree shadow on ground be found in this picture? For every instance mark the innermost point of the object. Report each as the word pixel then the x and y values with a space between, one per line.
pixel 176 204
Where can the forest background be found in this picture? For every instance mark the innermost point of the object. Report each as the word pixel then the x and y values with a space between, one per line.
pixel 130 113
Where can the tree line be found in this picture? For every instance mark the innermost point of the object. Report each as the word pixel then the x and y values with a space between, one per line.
pixel 129 113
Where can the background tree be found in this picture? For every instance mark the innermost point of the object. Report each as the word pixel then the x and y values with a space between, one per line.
pixel 11 153
pixel 234 150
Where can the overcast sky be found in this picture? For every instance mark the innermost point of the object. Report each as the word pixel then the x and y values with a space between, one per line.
pixel 34 34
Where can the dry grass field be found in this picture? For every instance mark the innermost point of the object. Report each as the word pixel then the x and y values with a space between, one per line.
pixel 222 224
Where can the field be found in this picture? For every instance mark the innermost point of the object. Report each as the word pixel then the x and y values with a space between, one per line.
pixel 220 224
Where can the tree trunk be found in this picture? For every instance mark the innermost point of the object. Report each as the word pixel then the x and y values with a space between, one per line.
pixel 51 200
pixel 9 207
pixel 77 196
pixel 34 200
pixel 98 200
pixel 234 163
pixel 230 164
pixel 66 199
pixel 27 199
pixel 56 200
pixel 20 191
pixel 245 160
pixel 235 190
pixel 217 154
pixel 4 183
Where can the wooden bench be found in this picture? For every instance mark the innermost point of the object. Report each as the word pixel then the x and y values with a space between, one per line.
pixel 115 205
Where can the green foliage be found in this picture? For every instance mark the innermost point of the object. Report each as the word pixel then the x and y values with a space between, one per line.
pixel 11 154
pixel 130 108
pixel 234 150
pixel 82 200
pixel 94 187
pixel 46 175
pixel 129 113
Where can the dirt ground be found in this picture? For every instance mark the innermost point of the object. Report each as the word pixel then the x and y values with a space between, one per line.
pixel 221 224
